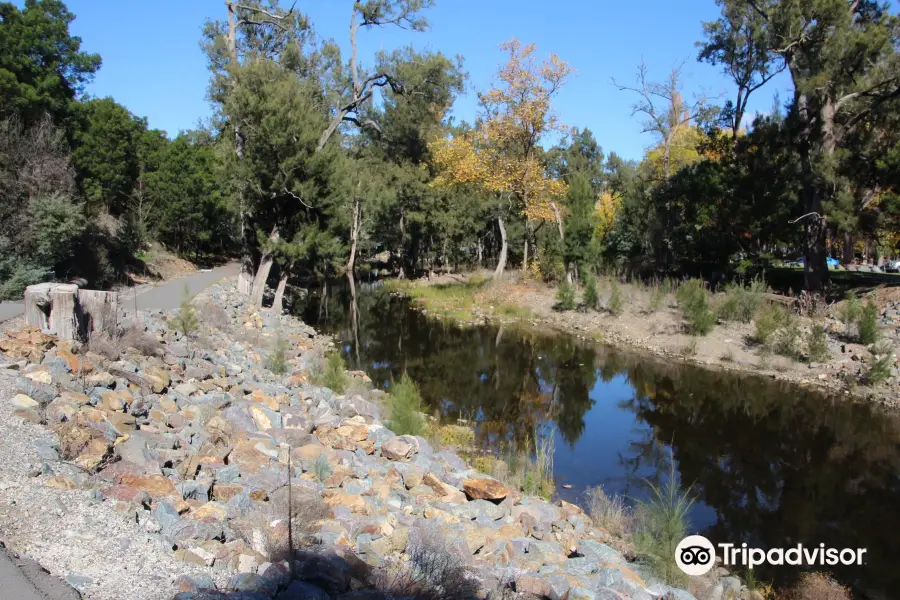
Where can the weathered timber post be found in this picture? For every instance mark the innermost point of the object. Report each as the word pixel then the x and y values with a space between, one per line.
pixel 70 312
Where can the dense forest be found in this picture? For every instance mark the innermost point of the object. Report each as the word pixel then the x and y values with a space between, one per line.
pixel 315 164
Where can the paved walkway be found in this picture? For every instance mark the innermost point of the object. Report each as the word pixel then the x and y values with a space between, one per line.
pixel 166 296
pixel 22 579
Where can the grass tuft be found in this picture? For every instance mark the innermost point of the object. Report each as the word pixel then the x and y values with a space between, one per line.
pixel 278 358
pixel 693 300
pixel 867 323
pixel 616 299
pixel 565 296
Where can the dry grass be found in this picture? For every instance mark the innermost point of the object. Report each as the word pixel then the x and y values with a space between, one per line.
pixel 609 513
pixel 112 346
pixel 213 315
pixel 818 586
pixel 266 530
pixel 432 571
pixel 74 438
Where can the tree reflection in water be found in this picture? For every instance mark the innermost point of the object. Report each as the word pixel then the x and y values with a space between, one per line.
pixel 770 465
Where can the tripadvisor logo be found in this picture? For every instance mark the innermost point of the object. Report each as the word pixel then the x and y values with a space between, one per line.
pixel 696 555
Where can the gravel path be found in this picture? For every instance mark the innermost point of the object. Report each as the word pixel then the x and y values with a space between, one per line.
pixel 102 552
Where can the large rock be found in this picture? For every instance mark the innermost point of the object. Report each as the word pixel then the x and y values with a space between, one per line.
pixel 396 449
pixel 158 378
pixel 485 489
pixel 299 590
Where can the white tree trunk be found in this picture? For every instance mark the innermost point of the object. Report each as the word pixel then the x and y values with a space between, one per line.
pixel 501 261
pixel 262 273
pixel 354 236
pixel 278 302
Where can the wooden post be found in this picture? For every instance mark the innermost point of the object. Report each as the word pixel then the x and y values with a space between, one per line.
pixel 63 302
pixel 97 311
pixel 37 305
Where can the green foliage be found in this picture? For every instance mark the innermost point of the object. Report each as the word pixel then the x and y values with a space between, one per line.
pixel 406 408
pixel 334 376
pixel 185 319
pixel 42 66
pixel 278 357
pixel 658 293
pixel 879 369
pixel 580 221
pixel 788 337
pixel 849 310
pixel 56 224
pixel 741 303
pixel 550 259
pixel 16 274
pixel 616 304
pixel 322 468
pixel 693 300
pixel 591 297
pixel 768 320
pixel 660 523
pixel 565 296
pixel 817 344
pixel 867 323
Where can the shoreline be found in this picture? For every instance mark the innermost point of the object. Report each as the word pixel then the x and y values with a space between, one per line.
pixel 654 334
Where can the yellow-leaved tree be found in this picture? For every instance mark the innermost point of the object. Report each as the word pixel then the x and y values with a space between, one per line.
pixel 501 154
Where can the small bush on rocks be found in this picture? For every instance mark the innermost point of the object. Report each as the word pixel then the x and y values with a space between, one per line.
pixel 406 408
pixel 818 586
pixel 112 346
pixel 817 344
pixel 565 296
pixel 334 375
pixel 215 316
pixel 879 369
pixel 659 524
pixel 590 292
pixel 787 340
pixel 693 300
pixel 867 323
pixel 608 512
pixel 322 468
pixel 432 571
pixel 849 310
pixel 278 357
pixel 185 320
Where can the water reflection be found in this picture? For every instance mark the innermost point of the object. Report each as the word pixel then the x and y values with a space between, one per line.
pixel 770 465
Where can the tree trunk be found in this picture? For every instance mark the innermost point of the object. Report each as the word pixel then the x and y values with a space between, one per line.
pixel 354 317
pixel 479 249
pixel 401 254
pixel 525 252
pixel 848 248
pixel 262 274
pixel 501 261
pixel 354 236
pixel 278 302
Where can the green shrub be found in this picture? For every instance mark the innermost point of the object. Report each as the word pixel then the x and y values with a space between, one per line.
pixel 56 223
pixel 693 300
pixel 590 291
pixel 660 523
pixel 787 340
pixel 817 344
pixel 278 357
pixel 322 468
pixel 768 320
pixel 406 408
pixel 185 320
pixel 740 303
pixel 867 323
pixel 879 369
pixel 658 294
pixel 849 310
pixel 565 296
pixel 616 299
pixel 335 375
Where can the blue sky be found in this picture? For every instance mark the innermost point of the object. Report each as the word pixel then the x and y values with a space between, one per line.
pixel 152 62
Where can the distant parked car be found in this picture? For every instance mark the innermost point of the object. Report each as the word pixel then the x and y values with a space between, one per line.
pixel 833 263
pixel 892 266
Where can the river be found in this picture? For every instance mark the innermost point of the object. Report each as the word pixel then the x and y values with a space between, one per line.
pixel 768 464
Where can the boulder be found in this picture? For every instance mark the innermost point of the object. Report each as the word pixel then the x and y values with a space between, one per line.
pixel 485 489
pixel 396 449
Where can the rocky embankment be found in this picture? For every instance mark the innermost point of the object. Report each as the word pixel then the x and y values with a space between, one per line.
pixel 169 465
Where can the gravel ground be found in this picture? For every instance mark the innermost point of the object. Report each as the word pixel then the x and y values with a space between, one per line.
pixel 101 551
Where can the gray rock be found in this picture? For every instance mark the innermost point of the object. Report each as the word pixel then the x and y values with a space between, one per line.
pixel 611 578
pixel 600 552
pixel 299 590
pixel 581 566
pixel 251 582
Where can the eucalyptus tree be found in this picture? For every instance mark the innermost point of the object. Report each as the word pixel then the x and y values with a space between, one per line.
pixel 843 62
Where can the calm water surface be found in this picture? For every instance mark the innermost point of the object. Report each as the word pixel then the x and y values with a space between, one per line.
pixel 769 465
